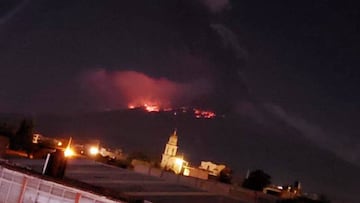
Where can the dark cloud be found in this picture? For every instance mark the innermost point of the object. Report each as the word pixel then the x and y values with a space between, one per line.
pixel 318 135
pixel 216 5
pixel 14 7
pixel 273 115
pixel 230 41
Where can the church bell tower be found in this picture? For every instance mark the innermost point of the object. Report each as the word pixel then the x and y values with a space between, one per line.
pixel 170 150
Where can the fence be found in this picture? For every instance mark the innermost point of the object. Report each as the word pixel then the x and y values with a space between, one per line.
pixel 17 187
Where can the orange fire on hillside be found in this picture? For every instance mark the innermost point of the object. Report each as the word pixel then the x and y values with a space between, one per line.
pixel 151 107
pixel 155 107
pixel 148 106
pixel 204 114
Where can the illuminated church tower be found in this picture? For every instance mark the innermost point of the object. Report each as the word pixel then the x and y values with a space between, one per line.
pixel 170 151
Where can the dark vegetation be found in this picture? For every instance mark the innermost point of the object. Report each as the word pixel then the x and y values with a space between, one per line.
pixel 122 163
pixel 226 175
pixel 322 199
pixel 257 180
pixel 21 137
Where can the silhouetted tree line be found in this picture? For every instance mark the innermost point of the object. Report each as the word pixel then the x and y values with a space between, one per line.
pixel 225 175
pixel 322 199
pixel 7 130
pixel 20 138
pixel 257 180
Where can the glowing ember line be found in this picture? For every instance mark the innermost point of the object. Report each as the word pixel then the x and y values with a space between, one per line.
pixel 204 114
pixel 151 108
pixel 155 107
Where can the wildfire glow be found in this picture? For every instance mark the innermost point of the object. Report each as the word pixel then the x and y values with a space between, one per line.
pixel 156 107
pixel 168 109
pixel 204 114
pixel 148 106
pixel 151 107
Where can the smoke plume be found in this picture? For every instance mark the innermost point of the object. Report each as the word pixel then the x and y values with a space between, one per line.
pixel 10 14
pixel 317 134
pixel 230 40
pixel 119 89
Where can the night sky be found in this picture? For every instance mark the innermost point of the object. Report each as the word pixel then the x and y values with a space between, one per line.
pixel 295 60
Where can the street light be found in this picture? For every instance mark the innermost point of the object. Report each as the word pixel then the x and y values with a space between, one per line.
pixel 68 152
pixel 94 150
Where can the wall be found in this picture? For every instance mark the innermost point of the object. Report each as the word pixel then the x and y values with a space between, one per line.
pixel 216 187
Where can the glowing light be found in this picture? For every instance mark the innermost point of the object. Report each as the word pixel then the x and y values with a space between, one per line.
pixel 36 138
pixel 94 150
pixel 151 107
pixel 178 165
pixel 147 106
pixel 186 172
pixel 184 109
pixel 59 144
pixel 204 114
pixel 179 162
pixel 69 152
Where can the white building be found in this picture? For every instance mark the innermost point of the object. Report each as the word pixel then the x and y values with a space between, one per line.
pixel 212 168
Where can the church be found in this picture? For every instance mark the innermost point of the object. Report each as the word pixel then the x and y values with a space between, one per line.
pixel 170 160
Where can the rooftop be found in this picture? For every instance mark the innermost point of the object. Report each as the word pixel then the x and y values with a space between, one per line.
pixel 129 184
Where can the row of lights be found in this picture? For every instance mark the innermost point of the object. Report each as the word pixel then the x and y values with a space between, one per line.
pixel 69 152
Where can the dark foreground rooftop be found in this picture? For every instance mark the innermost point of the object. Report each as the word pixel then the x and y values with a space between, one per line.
pixel 129 184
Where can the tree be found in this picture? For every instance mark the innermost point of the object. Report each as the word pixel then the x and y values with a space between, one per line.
pixel 24 136
pixel 6 130
pixel 139 156
pixel 225 175
pixel 257 180
pixel 322 199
